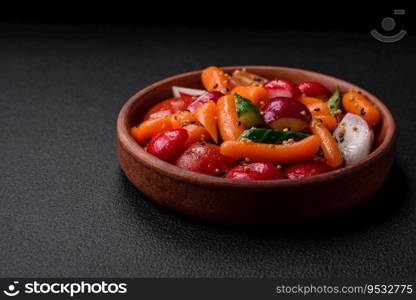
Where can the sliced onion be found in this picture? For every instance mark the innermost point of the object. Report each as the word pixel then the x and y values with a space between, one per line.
pixel 354 137
pixel 180 91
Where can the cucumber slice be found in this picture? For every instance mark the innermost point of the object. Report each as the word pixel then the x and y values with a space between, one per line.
pixel 334 102
pixel 269 136
pixel 248 114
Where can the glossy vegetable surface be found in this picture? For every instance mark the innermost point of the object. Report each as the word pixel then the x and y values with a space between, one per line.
pixel 168 145
pixel 256 171
pixel 260 152
pixel 205 158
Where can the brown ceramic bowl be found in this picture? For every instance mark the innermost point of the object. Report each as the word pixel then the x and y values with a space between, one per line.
pixel 252 202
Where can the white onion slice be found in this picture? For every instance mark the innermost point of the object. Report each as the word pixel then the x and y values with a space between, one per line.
pixel 176 90
pixel 354 137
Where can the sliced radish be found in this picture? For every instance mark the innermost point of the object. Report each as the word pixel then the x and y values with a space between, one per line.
pixel 182 91
pixel 354 138
pixel 281 88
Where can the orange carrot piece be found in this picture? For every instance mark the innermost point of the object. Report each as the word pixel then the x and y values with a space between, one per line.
pixel 328 144
pixel 206 114
pixel 256 94
pixel 214 79
pixel 357 103
pixel 196 133
pixel 309 100
pixel 320 110
pixel 230 127
pixel 260 152
pixel 328 120
pixel 148 129
pixel 182 118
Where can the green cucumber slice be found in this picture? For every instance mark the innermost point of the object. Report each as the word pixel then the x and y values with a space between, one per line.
pixel 248 114
pixel 334 102
pixel 270 136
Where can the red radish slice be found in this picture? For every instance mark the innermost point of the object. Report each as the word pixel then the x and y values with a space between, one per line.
pixel 204 98
pixel 281 88
pixel 182 91
pixel 314 89
pixel 354 137
pixel 283 112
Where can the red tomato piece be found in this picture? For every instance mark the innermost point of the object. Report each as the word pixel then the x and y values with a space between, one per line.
pixel 314 89
pixel 256 171
pixel 168 145
pixel 168 107
pixel 204 158
pixel 306 169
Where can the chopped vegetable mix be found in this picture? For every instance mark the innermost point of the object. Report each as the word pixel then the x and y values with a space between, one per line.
pixel 244 126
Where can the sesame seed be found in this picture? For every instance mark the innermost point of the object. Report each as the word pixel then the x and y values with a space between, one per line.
pixel 303 112
pixel 285 129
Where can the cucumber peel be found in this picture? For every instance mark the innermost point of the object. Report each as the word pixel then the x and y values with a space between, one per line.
pixel 334 102
pixel 270 136
pixel 248 114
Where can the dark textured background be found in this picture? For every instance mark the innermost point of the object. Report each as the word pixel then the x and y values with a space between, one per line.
pixel 67 210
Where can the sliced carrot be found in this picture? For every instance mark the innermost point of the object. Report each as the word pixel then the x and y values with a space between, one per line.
pixel 196 133
pixel 328 120
pixel 206 114
pixel 230 127
pixel 182 118
pixel 260 152
pixel 309 100
pixel 320 110
pixel 328 144
pixel 256 94
pixel 357 103
pixel 214 79
pixel 148 129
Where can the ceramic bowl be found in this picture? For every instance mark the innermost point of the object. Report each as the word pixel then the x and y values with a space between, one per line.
pixel 252 202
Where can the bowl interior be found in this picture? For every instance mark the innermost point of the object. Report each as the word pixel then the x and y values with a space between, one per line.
pixel 161 90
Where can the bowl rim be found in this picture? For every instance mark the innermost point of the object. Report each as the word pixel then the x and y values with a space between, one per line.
pixel 126 141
